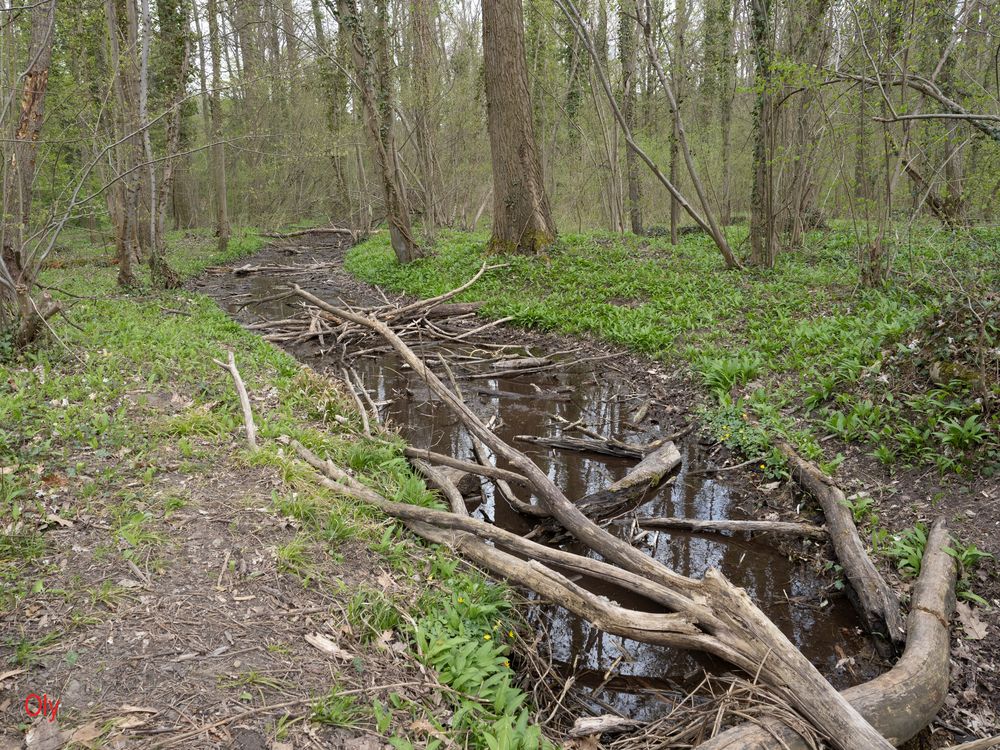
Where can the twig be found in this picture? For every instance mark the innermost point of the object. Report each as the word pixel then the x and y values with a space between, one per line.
pixel 241 390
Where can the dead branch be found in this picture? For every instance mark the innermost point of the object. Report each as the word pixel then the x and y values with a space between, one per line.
pixel 607 447
pixel 710 614
pixel 755 527
pixel 485 470
pixel 241 390
pixel 902 701
pixel 440 480
pixel 875 600
pixel 651 469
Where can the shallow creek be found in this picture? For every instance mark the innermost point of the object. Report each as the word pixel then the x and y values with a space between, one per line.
pixel 633 677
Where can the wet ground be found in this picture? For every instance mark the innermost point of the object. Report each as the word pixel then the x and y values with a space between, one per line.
pixel 602 392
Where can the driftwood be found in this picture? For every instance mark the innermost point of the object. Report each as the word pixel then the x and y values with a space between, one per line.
pixel 986 743
pixel 754 527
pixel 608 447
pixel 709 614
pixel 241 391
pixel 902 701
pixel 875 600
pixel 651 469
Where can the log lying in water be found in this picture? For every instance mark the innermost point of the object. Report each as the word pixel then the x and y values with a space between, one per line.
pixel 608 447
pixel 902 701
pixel 710 614
pixel 755 527
pixel 874 599
pixel 651 469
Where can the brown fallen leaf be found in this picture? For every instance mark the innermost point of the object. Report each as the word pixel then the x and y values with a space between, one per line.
pixel 11 673
pixel 975 629
pixel 86 734
pixel 45 735
pixel 327 646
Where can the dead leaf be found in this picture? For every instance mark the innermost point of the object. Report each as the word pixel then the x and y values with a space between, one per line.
pixel 11 673
pixel 4 470
pixel 64 522
pixel 975 629
pixel 386 581
pixel 384 641
pixel 327 646
pixel 45 735
pixel 87 733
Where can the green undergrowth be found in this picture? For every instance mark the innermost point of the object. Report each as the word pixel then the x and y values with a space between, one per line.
pixel 804 348
pixel 130 378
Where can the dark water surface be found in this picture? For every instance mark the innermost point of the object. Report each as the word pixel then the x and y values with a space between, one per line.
pixel 789 593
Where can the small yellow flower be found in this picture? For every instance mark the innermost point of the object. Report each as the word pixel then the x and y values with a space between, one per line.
pixel 511 633
pixel 461 600
pixel 762 466
pixel 487 637
pixel 506 663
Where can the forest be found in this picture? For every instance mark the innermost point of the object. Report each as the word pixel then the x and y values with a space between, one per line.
pixel 511 374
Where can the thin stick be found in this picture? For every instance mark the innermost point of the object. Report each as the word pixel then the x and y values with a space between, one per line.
pixel 241 390
pixel 357 401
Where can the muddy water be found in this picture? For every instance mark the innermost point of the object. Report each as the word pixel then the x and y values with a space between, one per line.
pixel 633 675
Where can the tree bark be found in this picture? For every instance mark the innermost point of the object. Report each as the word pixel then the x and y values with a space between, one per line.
pixel 19 161
pixel 378 122
pixel 124 197
pixel 173 20
pixel 424 121
pixel 218 161
pixel 627 51
pixel 522 218
pixel 762 220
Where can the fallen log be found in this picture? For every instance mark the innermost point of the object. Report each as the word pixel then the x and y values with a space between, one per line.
pixel 875 600
pixel 905 699
pixel 315 230
pixel 586 445
pixel 711 614
pixel 753 527
pixel 651 469
pixel 452 309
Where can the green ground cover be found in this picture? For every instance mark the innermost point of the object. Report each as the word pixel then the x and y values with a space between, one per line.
pixel 66 413
pixel 804 347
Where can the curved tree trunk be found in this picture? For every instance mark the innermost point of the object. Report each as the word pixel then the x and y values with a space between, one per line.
pixel 522 219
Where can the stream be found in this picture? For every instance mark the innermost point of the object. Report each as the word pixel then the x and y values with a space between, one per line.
pixel 611 673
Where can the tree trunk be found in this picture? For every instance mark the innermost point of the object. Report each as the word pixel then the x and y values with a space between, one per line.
pixel 122 18
pixel 762 231
pixel 19 311
pixel 379 133
pixel 19 164
pixel 173 22
pixel 424 121
pixel 218 161
pixel 522 219
pixel 627 51
pixel 677 75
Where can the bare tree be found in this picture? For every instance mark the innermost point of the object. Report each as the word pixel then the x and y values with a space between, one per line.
pixel 522 219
